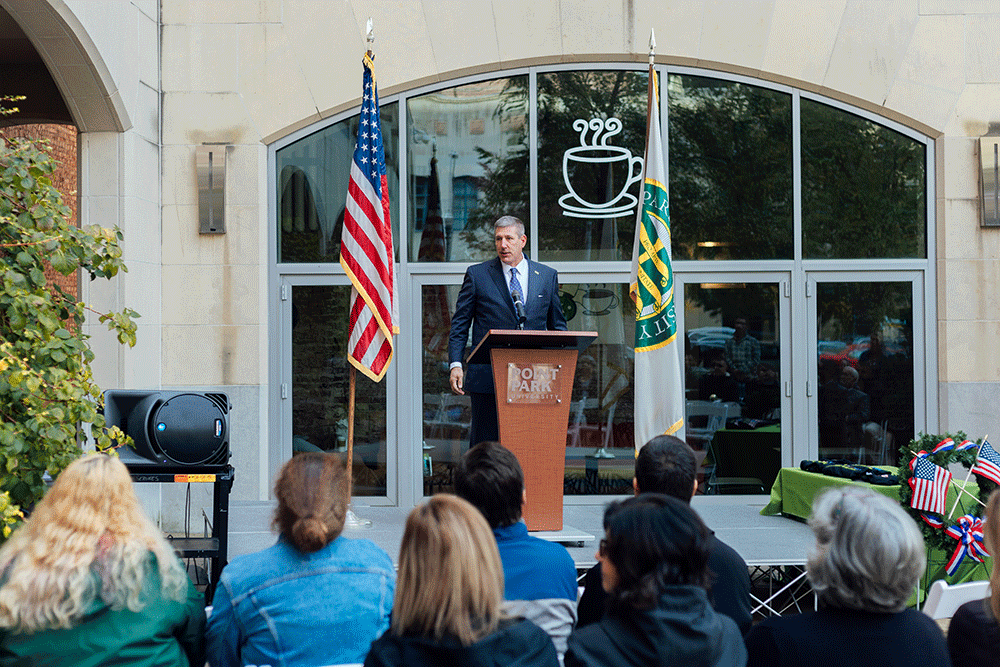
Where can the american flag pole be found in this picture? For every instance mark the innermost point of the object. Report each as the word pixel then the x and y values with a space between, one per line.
pixel 967 476
pixel 352 519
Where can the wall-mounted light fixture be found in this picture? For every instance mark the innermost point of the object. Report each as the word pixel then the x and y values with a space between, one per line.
pixel 210 160
pixel 989 176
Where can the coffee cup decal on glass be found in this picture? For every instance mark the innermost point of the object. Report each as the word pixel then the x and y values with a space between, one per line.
pixel 598 175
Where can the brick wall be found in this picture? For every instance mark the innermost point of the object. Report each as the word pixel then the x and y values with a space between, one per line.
pixel 62 146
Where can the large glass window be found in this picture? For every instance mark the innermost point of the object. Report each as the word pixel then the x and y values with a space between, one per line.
pixel 591 138
pixel 320 384
pixel 312 179
pixel 468 151
pixel 865 357
pixel 731 164
pixel 863 187
pixel 732 367
pixel 600 442
pixel 730 148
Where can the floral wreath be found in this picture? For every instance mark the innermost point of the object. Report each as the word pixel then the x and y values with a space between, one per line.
pixel 965 523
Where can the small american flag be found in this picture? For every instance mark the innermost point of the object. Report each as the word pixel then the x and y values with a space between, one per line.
pixel 930 485
pixel 988 463
pixel 366 245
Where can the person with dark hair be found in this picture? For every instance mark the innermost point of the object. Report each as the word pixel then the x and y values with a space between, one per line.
pixel 667 465
pixel 974 632
pixel 718 385
pixel 654 563
pixel 274 606
pixel 539 576
pixel 448 606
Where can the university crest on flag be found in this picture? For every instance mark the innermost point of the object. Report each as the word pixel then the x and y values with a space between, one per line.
pixel 653 293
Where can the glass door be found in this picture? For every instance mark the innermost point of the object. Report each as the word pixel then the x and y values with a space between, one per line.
pixel 866 390
pixel 315 382
pixel 737 377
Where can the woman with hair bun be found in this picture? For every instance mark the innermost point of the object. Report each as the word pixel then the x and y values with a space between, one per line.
pixel 315 597
pixel 90 580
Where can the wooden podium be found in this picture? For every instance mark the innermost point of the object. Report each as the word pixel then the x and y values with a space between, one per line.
pixel 533 376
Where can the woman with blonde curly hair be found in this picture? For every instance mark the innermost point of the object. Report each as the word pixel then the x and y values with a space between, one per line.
pixel 90 580
pixel 448 597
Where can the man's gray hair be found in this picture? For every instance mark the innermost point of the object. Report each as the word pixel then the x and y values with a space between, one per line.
pixel 509 221
pixel 869 553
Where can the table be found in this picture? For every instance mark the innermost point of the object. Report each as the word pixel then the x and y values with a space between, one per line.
pixel 794 489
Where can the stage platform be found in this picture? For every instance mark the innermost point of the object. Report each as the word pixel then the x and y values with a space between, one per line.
pixel 775 548
pixel 736 520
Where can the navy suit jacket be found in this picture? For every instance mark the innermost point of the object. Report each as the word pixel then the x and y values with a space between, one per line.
pixel 485 303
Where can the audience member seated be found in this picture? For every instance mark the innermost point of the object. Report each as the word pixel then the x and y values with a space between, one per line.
pixel 89 580
pixel 868 558
pixel 654 563
pixel 718 385
pixel 315 597
pixel 667 465
pixel 974 632
pixel 843 410
pixel 448 598
pixel 763 397
pixel 539 576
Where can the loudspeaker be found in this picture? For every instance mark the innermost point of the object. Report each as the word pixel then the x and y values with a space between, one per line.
pixel 171 429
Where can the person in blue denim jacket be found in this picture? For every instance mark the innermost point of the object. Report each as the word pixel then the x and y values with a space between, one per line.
pixel 315 597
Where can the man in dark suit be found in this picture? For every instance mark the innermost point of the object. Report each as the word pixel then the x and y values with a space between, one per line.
pixel 486 301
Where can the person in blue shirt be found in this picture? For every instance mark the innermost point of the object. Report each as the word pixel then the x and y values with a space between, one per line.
pixel 315 597
pixel 539 576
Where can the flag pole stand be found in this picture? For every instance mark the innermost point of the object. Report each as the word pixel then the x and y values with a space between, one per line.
pixel 351 520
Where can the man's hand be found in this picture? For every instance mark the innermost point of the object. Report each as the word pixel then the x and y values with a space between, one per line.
pixel 457 377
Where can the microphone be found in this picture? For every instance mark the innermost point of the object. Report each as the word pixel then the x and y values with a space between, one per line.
pixel 519 309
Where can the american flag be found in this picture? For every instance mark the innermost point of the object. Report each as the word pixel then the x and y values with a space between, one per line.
pixel 930 485
pixel 988 463
pixel 366 245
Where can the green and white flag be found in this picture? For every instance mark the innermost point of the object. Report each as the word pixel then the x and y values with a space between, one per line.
pixel 658 383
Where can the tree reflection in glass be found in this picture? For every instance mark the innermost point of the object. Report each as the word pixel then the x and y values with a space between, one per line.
pixel 730 149
pixel 863 187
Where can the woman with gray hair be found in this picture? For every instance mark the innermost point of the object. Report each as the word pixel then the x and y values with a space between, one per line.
pixel 868 558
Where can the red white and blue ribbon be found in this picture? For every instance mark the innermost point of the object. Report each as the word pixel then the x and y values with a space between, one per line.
pixel 969 533
pixel 966 445
pixel 931 520
pixel 945 445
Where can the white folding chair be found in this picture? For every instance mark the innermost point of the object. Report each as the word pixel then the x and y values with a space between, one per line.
pixel 943 600
pixel 700 436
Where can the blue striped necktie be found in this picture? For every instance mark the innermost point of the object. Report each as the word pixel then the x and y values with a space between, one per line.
pixel 515 286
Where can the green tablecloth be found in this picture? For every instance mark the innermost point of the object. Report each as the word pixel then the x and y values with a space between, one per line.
pixel 794 489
